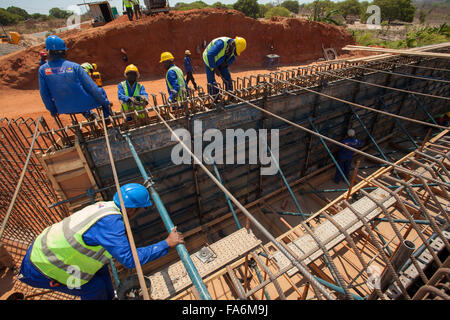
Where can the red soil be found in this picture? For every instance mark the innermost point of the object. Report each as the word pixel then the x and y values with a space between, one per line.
pixel 295 40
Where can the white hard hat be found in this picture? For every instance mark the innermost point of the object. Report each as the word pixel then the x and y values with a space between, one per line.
pixel 351 133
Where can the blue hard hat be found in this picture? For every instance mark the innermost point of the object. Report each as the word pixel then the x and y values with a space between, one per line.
pixel 54 43
pixel 134 195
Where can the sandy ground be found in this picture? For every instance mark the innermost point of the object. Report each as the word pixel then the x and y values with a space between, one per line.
pixel 28 103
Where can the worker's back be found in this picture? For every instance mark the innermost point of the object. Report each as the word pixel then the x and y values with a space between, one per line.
pixel 68 86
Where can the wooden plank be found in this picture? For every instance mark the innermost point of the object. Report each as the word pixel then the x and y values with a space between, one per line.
pixel 396 51
pixel 60 167
pixel 308 250
pixel 174 278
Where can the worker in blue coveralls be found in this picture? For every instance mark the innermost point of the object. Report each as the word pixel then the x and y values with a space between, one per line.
pixel 71 256
pixel 64 86
pixel 189 69
pixel 218 56
pixel 345 155
pixel 176 86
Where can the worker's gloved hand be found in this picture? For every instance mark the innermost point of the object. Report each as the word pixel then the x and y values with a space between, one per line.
pixel 174 238
pixel 133 100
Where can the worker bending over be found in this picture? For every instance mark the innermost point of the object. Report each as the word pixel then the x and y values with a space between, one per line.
pixel 189 69
pixel 90 69
pixel 71 255
pixel 176 86
pixel 131 93
pixel 64 86
pixel 218 56
pixel 345 155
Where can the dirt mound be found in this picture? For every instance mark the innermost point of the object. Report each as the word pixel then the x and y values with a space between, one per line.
pixel 295 40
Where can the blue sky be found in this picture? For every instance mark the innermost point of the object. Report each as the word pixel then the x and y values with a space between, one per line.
pixel 42 6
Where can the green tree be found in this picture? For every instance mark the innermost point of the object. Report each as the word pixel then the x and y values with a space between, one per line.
pixel 349 8
pixel 249 7
pixel 291 5
pixel 59 14
pixel 277 11
pixel 189 6
pixel 7 18
pixel 19 11
pixel 219 5
pixel 402 10
pixel 39 16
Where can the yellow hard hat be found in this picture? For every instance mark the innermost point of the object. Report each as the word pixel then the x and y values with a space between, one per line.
pixel 131 67
pixel 187 52
pixel 166 56
pixel 241 44
pixel 94 65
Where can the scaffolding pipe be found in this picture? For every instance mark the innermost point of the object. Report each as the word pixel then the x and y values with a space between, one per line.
pixel 228 199
pixel 181 249
pixel 399 259
pixel 399 123
pixel 284 179
pixel 330 154
pixel 299 264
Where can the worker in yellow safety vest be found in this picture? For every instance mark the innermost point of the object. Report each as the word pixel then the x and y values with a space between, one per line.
pixel 131 93
pixel 71 256
pixel 128 5
pixel 218 56
pixel 176 86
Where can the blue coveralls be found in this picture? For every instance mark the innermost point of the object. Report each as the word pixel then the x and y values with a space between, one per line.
pixel 345 156
pixel 189 70
pixel 66 88
pixel 108 232
pixel 224 72
pixel 173 79
pixel 126 99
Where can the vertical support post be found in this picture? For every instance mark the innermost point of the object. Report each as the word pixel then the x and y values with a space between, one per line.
pixel 181 249
pixel 352 183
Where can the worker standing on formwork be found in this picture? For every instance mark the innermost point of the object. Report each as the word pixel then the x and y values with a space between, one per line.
pixel 189 69
pixel 218 56
pixel 71 255
pixel 176 86
pixel 345 155
pixel 137 9
pixel 131 93
pixel 128 5
pixel 64 86
pixel 89 68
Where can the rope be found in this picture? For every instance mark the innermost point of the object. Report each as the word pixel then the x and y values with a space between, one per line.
pixel 389 88
pixel 363 107
pixel 404 75
pixel 402 169
pixel 294 261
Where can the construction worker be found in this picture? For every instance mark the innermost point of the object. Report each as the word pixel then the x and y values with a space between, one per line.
pixel 90 69
pixel 137 9
pixel 71 256
pixel 43 58
pixel 64 86
pixel 128 5
pixel 345 155
pixel 131 93
pixel 176 86
pixel 218 56
pixel 189 69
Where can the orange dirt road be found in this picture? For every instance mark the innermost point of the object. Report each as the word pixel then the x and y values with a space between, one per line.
pixel 27 103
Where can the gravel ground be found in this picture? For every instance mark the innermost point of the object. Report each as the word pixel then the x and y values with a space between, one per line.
pixel 6 48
